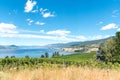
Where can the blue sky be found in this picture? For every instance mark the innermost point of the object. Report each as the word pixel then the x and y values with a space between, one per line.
pixel 41 22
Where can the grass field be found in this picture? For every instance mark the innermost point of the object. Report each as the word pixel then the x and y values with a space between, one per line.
pixel 41 68
pixel 66 60
pixel 69 73
pixel 78 56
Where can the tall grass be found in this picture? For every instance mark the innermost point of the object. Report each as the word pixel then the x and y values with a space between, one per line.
pixel 69 73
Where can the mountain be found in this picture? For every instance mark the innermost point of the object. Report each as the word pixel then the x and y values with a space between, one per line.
pixel 86 46
pixel 77 44
pixel 9 47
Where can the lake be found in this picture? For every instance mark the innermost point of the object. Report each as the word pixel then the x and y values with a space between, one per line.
pixel 32 52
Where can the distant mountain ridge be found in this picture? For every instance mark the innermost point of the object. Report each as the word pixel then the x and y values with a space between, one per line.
pixel 77 44
pixel 8 47
pixel 86 46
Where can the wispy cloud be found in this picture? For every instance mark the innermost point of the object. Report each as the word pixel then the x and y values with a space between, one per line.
pixel 11 31
pixel 30 21
pixel 35 10
pixel 81 38
pixel 39 23
pixel 46 13
pixel 115 13
pixel 97 37
pixel 42 31
pixel 99 23
pixel 59 32
pixel 109 26
pixel 29 5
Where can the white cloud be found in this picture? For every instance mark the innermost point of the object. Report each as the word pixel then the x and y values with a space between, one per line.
pixel 39 23
pixel 46 13
pixel 11 31
pixel 29 31
pixel 107 36
pixel 42 31
pixel 35 36
pixel 109 26
pixel 29 5
pixel 81 38
pixel 30 21
pixel 7 28
pixel 59 32
pixel 97 37
pixel 34 11
pixel 25 36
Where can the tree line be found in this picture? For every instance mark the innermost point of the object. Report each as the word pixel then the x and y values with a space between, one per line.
pixel 45 55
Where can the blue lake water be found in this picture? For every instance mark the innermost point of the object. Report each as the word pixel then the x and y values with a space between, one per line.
pixel 32 52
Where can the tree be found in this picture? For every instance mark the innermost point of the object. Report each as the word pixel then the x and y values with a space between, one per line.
pixel 46 55
pixel 42 56
pixel 27 56
pixel 110 50
pixel 56 54
pixel 117 47
pixel 12 56
pixel 6 56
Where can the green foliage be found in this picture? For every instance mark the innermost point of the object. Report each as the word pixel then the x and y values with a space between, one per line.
pixel 78 59
pixel 27 62
pixel 46 55
pixel 6 56
pixel 111 49
pixel 12 56
pixel 27 56
pixel 42 56
pixel 117 47
pixel 78 56
pixel 56 54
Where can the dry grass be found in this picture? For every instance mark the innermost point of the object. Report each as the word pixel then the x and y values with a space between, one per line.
pixel 70 73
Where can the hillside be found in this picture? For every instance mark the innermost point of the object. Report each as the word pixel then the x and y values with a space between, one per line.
pixel 79 57
pixel 86 46
pixel 77 44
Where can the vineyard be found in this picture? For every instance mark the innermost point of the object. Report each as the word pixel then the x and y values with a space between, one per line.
pixel 77 60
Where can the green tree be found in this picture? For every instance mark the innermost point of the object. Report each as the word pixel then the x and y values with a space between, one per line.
pixel 27 56
pixel 110 50
pixel 12 56
pixel 56 54
pixel 46 55
pixel 117 47
pixel 42 56
pixel 6 56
